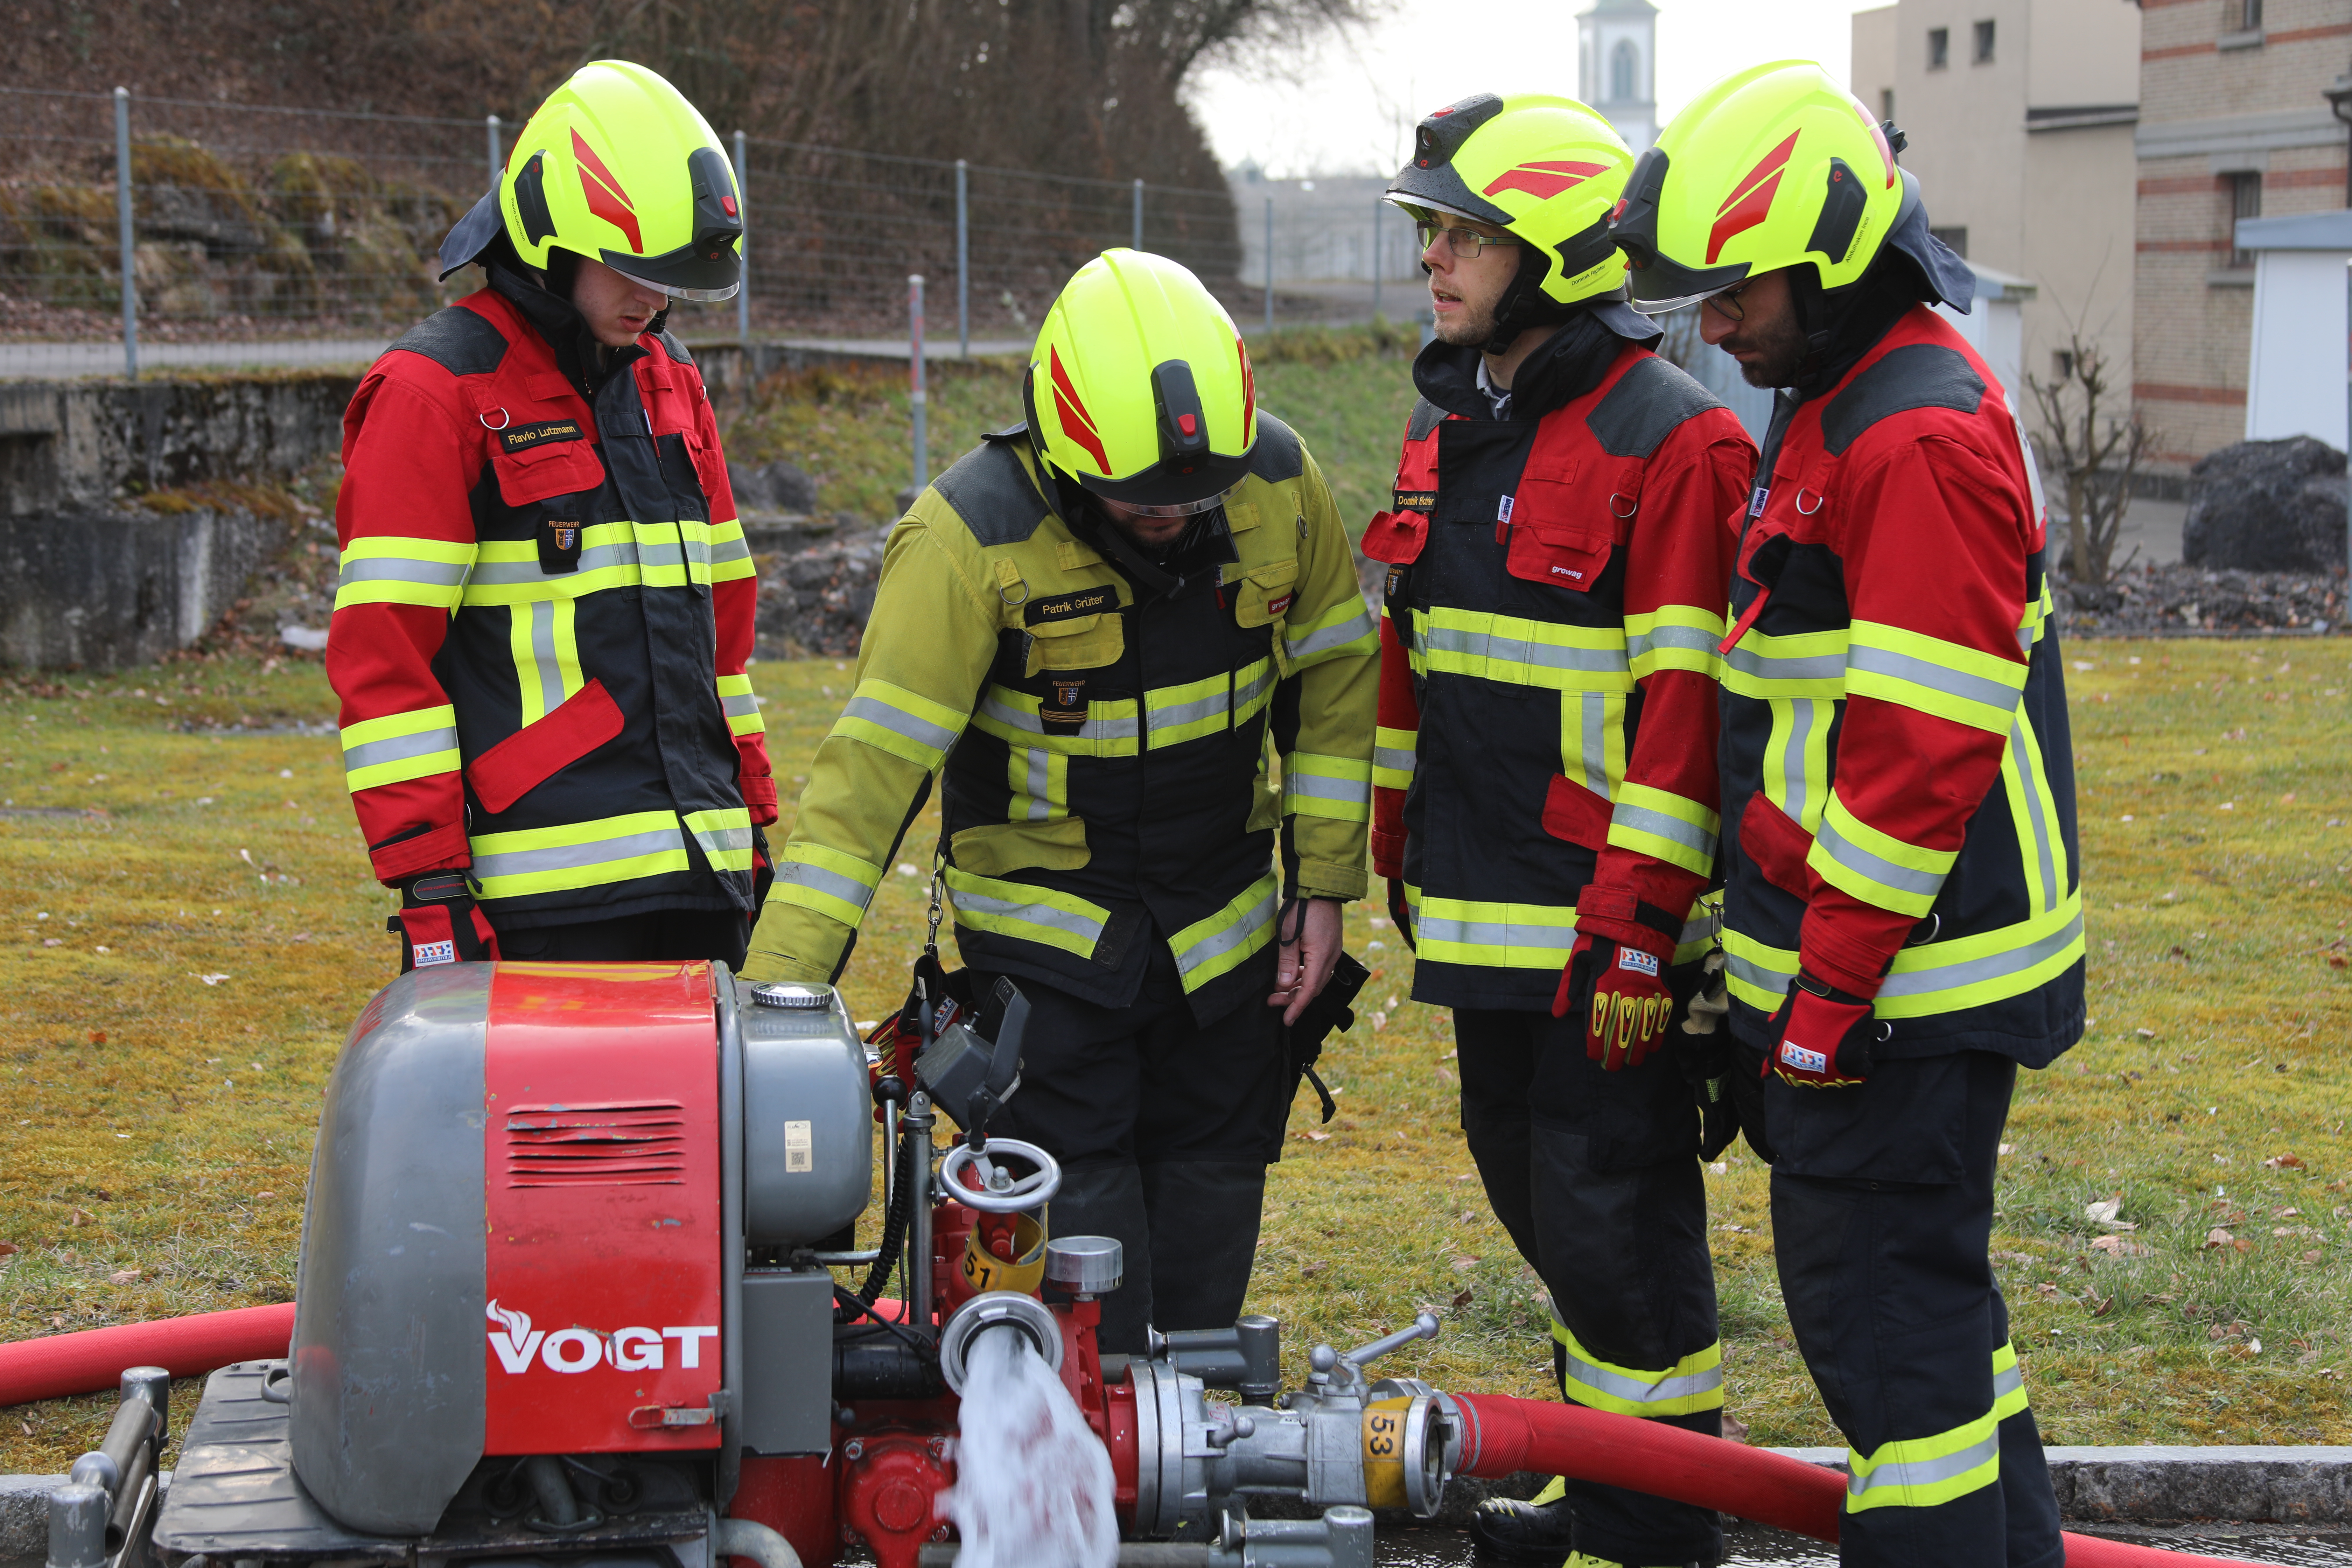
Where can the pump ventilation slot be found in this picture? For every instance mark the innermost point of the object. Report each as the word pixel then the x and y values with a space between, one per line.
pixel 618 1143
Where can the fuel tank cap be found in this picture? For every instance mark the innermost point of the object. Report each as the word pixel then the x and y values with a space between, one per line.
pixel 786 994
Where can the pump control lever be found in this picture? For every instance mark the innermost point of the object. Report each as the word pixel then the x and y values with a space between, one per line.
pixel 1424 1327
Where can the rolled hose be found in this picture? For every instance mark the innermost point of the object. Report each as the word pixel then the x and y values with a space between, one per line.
pixel 1502 1435
pixel 91 1361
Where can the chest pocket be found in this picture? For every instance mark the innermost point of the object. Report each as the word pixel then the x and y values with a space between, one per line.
pixel 1080 642
pixel 1566 519
pixel 1263 597
pixel 541 473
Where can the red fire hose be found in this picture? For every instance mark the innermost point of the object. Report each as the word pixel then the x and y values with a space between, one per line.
pixel 1502 1434
pixel 92 1360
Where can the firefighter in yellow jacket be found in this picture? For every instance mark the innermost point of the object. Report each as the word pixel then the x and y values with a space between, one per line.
pixel 1128 639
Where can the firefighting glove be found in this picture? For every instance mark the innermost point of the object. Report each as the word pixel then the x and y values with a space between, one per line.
pixel 1702 1048
pixel 1823 1035
pixel 1401 912
pixel 1621 993
pixel 439 923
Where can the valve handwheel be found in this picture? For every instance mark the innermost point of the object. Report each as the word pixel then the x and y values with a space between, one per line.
pixel 999 1190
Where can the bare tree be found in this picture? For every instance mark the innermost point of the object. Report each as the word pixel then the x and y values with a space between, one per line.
pixel 2094 454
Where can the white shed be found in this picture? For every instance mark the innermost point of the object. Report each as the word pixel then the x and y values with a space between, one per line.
pixel 2296 373
pixel 1995 327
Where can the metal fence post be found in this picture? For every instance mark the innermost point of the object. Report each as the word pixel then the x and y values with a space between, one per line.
pixel 1269 264
pixel 1377 204
pixel 498 149
pixel 129 237
pixel 916 395
pixel 964 261
pixel 743 264
pixel 1138 242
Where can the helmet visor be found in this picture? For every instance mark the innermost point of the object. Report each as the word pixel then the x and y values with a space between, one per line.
pixel 678 291
pixel 1178 508
pixel 1676 303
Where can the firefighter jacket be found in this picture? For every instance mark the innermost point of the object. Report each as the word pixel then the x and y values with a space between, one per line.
pixel 1898 778
pixel 1552 605
pixel 1102 748
pixel 544 613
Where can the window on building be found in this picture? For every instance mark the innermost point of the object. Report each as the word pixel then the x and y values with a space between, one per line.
pixel 1624 73
pixel 1984 43
pixel 2061 365
pixel 2245 189
pixel 1956 238
pixel 1886 103
pixel 1939 47
pixel 2248 14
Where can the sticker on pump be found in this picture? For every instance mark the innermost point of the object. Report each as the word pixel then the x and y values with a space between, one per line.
pixel 576 1350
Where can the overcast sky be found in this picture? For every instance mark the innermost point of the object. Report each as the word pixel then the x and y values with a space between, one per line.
pixel 1352 107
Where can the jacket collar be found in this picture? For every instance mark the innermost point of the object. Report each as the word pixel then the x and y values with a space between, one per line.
pixel 1564 367
pixel 559 321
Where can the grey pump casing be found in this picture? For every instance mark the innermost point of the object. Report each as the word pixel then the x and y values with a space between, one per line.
pixel 808 1120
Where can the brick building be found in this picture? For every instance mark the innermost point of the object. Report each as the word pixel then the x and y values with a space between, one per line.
pixel 2233 123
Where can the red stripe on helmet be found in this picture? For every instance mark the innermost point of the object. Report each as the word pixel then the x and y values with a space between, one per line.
pixel 1249 393
pixel 1751 200
pixel 606 199
pixel 1077 422
pixel 1544 181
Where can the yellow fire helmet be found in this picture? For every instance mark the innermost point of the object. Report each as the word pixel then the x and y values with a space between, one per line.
pixel 1769 167
pixel 1140 388
pixel 1545 169
pixel 618 167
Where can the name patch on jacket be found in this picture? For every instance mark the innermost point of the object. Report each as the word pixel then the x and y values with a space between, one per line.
pixel 558 546
pixel 1067 606
pixel 1412 501
pixel 519 437
pixel 1064 711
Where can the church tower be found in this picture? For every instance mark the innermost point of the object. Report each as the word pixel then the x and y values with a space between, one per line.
pixel 1616 48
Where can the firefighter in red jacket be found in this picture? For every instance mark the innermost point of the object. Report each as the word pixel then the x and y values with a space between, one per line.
pixel 1544 783
pixel 546 603
pixel 1902 918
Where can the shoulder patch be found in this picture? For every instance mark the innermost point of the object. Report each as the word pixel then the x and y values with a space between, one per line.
pixel 1649 402
pixel 459 341
pixel 991 493
pixel 1916 375
pixel 1276 457
pixel 677 351
pixel 1426 416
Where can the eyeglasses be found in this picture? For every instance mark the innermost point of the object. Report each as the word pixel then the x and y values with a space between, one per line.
pixel 1729 303
pixel 1466 243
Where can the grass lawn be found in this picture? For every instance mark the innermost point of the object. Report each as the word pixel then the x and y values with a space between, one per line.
pixel 177 968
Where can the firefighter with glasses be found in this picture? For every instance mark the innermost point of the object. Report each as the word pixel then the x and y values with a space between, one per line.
pixel 1545 785
pixel 1100 631
pixel 1904 914
pixel 545 608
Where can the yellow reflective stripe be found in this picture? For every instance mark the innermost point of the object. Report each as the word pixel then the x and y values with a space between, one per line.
pixel 1109 729
pixel 1674 636
pixel 1933 675
pixel 399 747
pixel 1027 911
pixel 725 836
pixel 742 707
pixel 904 723
pixel 1346 628
pixel 1040 781
pixel 399 569
pixel 1520 652
pixel 1665 826
pixel 1174 715
pixel 1875 866
pixel 2008 1381
pixel 1592 739
pixel 2033 811
pixel 2037 615
pixel 1924 1472
pixel 1492 935
pixel 1936 977
pixel 1805 664
pixel 1698 934
pixel 731 554
pixel 1797 758
pixel 1252 689
pixel 546 648
pixel 1393 753
pixel 1317 786
pixel 1217 945
pixel 578 854
pixel 832 883
pixel 673 555
pixel 1691 1383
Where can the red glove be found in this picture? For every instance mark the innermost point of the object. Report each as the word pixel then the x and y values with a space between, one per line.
pixel 439 923
pixel 1825 1037
pixel 1622 992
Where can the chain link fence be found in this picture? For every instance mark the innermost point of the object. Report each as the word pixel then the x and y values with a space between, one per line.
pixel 258 235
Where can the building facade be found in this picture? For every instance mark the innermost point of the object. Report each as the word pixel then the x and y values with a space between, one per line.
pixel 2234 124
pixel 1617 56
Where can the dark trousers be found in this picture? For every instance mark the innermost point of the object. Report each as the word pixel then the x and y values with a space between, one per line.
pixel 1882 1213
pixel 1595 1174
pixel 720 935
pixel 1164 1129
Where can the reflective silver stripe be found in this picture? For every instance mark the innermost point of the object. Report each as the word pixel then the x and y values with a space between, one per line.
pixel 1175 716
pixel 1674 830
pixel 967 900
pixel 1633 1391
pixel 1975 971
pixel 1595 742
pixel 735 549
pixel 1505 934
pixel 817 880
pixel 1797 667
pixel 568 857
pixel 1639 644
pixel 922 731
pixel 719 840
pixel 1393 759
pixel 1771 981
pixel 2006 1381
pixel 1020 719
pixel 1358 624
pixel 742 706
pixel 659 551
pixel 1249 690
pixel 382 569
pixel 542 654
pixel 1801 714
pixel 1875 868
pixel 1321 787
pixel 513 574
pixel 2024 760
pixel 399 748
pixel 1934 676
pixel 1489 646
pixel 1226 940
pixel 698 548
pixel 1926 1472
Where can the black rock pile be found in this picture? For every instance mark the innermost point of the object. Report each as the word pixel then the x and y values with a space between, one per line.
pixel 2188 601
